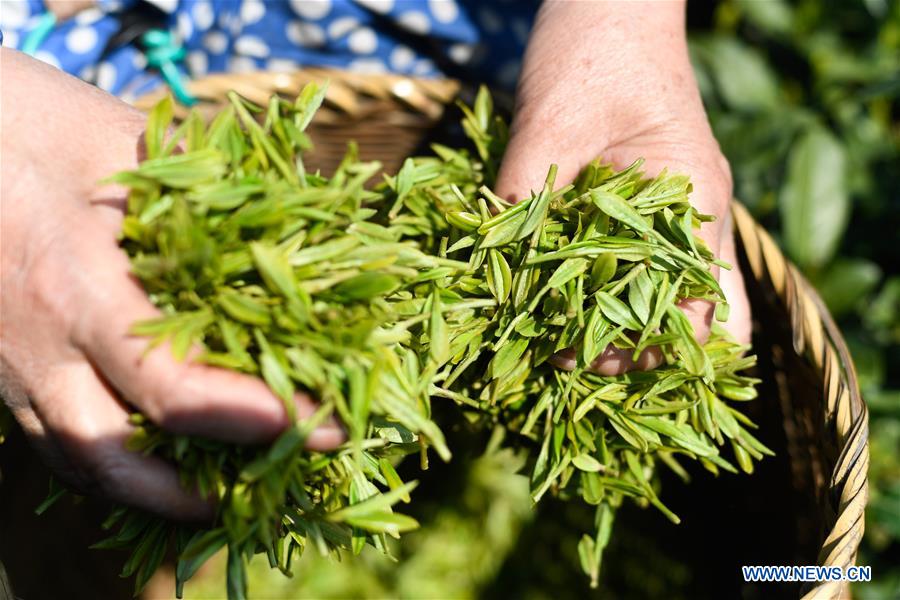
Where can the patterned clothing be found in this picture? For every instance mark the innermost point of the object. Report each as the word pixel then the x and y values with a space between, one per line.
pixel 471 39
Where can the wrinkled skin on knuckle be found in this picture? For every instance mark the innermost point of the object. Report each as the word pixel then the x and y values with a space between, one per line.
pixel 47 293
pixel 37 315
pixel 155 400
pixel 174 396
pixel 43 278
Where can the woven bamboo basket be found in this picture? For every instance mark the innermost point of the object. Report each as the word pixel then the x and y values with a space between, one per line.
pixel 814 404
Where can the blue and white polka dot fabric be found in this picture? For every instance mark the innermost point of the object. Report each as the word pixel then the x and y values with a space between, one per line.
pixel 475 39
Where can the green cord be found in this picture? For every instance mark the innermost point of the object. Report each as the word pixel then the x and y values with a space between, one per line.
pixel 162 53
pixel 37 35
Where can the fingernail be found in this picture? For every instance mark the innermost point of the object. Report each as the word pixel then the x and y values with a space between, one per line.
pixel 326 437
pixel 563 360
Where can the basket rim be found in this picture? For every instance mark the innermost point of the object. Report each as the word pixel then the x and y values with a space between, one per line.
pixel 817 338
pixel 424 95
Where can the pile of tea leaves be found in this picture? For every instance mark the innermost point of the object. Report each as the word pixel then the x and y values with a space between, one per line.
pixel 381 301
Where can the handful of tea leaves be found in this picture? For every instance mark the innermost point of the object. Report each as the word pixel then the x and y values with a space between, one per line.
pixel 426 288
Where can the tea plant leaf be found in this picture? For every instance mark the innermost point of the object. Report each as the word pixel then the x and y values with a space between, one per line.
pixel 437 332
pixel 617 208
pixel 617 311
pixel 568 270
pixel 499 275
pixel 814 202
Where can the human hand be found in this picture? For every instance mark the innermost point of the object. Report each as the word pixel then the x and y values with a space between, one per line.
pixel 70 368
pixel 613 79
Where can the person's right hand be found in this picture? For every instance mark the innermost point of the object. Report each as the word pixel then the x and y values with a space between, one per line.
pixel 614 80
pixel 70 369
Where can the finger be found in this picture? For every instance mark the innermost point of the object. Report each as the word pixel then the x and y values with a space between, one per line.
pixel 179 396
pixel 615 361
pixel 700 313
pixel 709 172
pixel 612 361
pixel 711 193
pixel 91 426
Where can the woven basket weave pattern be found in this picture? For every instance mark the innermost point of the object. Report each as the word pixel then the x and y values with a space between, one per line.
pixel 387 116
pixel 836 465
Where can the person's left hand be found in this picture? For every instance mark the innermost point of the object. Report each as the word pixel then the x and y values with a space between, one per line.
pixel 613 80
pixel 71 371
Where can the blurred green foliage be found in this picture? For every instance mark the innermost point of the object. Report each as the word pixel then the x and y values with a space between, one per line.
pixel 469 528
pixel 803 97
